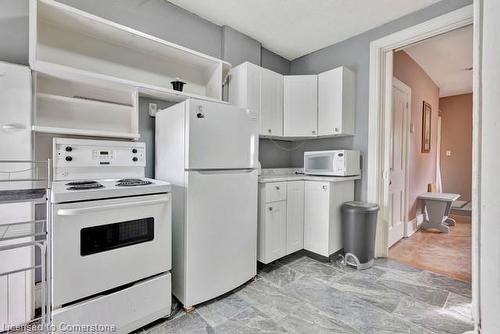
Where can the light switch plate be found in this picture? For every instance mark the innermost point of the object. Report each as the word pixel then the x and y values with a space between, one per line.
pixel 412 128
pixel 448 153
pixel 153 108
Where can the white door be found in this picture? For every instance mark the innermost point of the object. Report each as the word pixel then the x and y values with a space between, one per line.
pixel 401 99
pixel 317 217
pixel 271 108
pixel 275 231
pixel 16 302
pixel 220 136
pixel 294 216
pixel 221 232
pixel 300 105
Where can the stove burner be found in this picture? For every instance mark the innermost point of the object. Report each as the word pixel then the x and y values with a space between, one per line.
pixel 84 185
pixel 132 182
pixel 78 183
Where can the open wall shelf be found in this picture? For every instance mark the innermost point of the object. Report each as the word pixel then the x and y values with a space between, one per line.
pixel 76 108
pixel 114 53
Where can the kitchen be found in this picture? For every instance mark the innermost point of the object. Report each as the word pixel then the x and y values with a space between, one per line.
pixel 123 107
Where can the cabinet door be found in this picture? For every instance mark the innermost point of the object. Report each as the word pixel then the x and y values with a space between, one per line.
pixel 317 217
pixel 274 236
pixel 244 87
pixel 15 113
pixel 271 108
pixel 300 105
pixel 295 216
pixel 336 102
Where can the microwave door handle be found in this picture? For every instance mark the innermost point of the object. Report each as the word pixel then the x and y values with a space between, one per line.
pixel 79 211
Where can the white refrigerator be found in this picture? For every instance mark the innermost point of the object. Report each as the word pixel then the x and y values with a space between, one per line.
pixel 208 151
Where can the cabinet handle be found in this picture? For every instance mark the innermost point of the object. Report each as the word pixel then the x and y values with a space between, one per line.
pixel 336 130
pixel 277 188
pixel 269 130
pixel 325 187
pixel 270 208
pixel 314 132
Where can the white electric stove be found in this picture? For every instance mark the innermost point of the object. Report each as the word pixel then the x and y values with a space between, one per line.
pixel 111 236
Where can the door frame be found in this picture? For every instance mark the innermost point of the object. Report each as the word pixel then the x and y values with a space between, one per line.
pixel 406 151
pixel 379 120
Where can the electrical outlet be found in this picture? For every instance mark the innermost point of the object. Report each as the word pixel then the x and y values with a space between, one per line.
pixel 153 108
pixel 448 153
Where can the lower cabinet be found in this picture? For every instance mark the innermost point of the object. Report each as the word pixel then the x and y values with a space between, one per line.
pixel 299 215
pixel 281 220
pixel 322 215
pixel 272 232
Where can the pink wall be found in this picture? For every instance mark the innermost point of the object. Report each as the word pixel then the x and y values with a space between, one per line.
pixel 456 136
pixel 422 166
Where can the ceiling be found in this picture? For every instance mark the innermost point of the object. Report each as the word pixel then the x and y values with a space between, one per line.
pixel 447 59
pixel 294 28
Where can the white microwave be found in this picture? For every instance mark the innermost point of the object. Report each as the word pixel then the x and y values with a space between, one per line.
pixel 332 163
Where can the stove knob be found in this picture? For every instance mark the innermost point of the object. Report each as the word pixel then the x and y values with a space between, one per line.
pixel 134 150
pixel 134 159
pixel 69 149
pixel 68 158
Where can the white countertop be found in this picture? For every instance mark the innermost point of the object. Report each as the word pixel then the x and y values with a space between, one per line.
pixel 302 177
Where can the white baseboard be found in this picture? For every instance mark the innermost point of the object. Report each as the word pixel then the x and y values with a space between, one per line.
pixel 414 225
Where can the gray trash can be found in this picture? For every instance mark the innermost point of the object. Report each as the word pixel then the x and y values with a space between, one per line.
pixel 359 224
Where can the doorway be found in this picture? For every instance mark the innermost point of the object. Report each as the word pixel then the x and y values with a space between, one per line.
pixel 431 154
pixel 380 119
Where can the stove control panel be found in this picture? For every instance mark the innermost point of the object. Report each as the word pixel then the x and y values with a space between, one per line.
pixel 73 156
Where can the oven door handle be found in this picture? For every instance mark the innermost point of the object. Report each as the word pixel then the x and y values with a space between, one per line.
pixel 79 211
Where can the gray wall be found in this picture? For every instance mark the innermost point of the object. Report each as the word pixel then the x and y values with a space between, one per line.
pixel 274 62
pixel 354 53
pixel 238 48
pixel 164 20
pixel 159 18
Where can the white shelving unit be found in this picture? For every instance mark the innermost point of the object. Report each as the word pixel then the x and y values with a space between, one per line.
pixel 108 66
pixel 113 52
pixel 77 108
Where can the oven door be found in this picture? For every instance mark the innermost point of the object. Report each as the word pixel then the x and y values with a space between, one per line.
pixel 100 245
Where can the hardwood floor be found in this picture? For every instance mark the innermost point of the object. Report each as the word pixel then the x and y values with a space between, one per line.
pixel 444 253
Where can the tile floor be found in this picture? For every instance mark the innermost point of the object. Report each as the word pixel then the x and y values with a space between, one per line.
pixel 299 294
pixel 449 254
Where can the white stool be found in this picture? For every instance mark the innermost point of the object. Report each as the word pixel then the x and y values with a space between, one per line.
pixel 437 208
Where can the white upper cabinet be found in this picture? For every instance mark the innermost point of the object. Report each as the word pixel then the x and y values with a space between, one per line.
pixel 300 105
pixel 271 108
pixel 261 91
pixel 336 102
pixel 244 87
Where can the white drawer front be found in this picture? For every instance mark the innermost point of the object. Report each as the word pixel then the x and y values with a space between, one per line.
pixel 127 309
pixel 275 192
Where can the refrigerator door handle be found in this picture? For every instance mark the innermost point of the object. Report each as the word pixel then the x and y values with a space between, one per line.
pixel 222 171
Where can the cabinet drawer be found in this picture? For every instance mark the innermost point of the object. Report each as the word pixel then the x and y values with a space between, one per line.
pixel 275 192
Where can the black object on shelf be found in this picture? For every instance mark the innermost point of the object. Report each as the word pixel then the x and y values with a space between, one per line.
pixel 177 85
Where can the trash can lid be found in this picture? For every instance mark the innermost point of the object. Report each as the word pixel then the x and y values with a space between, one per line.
pixel 359 206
